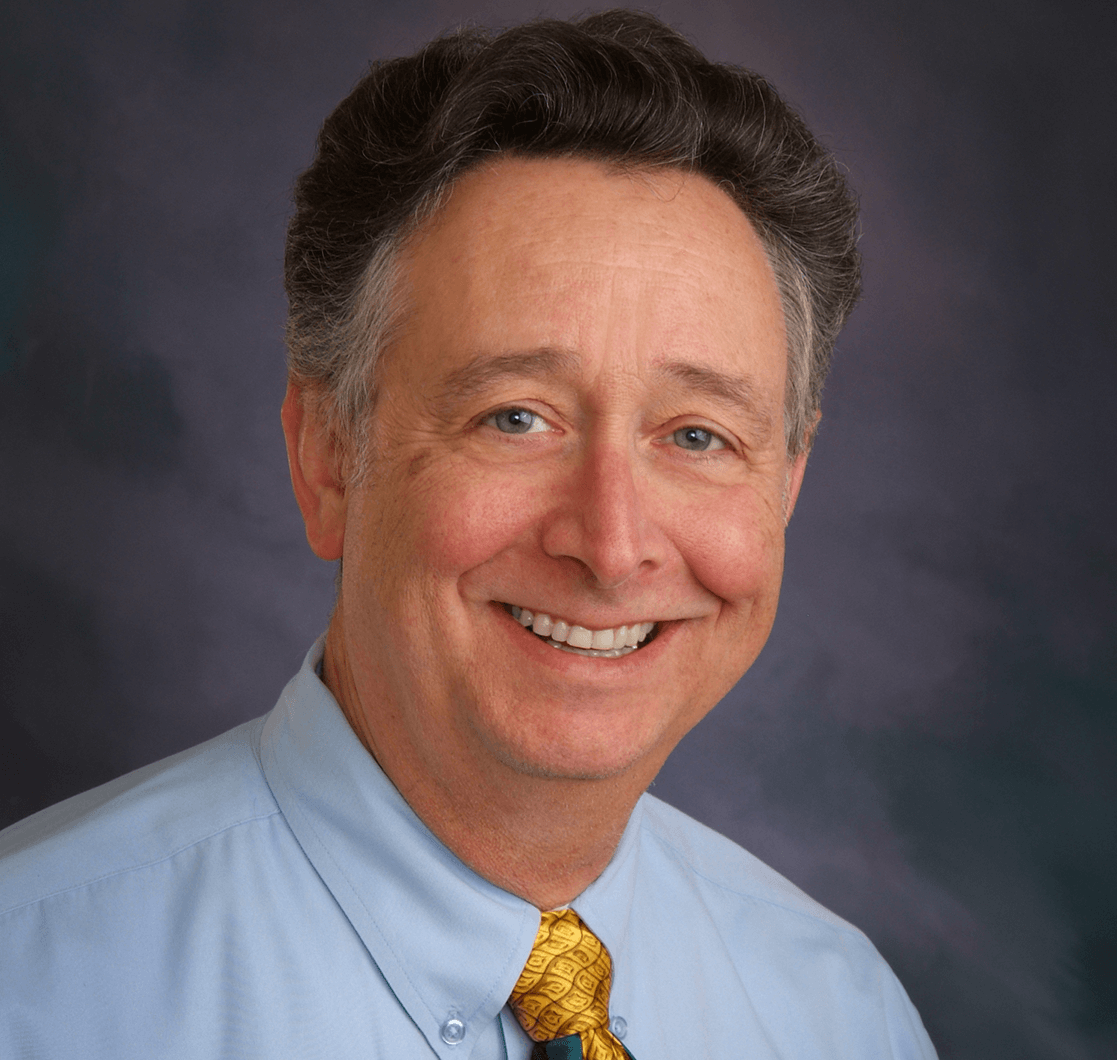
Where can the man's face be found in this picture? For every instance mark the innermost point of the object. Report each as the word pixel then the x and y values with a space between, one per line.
pixel 581 418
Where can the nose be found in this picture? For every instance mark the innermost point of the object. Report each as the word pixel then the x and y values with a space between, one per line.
pixel 604 520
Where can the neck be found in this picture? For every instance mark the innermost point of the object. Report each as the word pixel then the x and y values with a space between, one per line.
pixel 543 838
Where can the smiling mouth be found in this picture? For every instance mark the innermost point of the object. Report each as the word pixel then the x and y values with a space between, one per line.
pixel 597 643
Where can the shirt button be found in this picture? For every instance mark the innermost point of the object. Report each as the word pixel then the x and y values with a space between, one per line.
pixel 453 1031
pixel 619 1027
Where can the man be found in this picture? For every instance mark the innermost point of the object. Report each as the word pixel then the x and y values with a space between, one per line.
pixel 561 305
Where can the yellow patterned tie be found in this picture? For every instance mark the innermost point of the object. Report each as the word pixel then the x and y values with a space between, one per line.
pixel 564 988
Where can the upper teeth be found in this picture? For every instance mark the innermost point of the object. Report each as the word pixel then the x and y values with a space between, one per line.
pixel 579 636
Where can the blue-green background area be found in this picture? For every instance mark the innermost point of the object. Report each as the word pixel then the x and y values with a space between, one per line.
pixel 926 744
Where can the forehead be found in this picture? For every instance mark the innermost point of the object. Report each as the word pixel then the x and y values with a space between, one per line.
pixel 626 269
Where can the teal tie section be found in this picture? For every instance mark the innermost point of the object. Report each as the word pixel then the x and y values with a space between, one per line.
pixel 568 1048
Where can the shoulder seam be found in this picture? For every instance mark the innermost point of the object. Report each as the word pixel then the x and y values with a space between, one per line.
pixel 141 864
pixel 842 926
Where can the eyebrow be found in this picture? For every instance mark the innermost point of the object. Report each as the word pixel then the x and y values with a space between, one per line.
pixel 738 392
pixel 483 371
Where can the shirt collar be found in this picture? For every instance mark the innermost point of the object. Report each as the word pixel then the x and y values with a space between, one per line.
pixel 449 943
pixel 607 904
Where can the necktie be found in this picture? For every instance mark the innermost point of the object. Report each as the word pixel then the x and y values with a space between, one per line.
pixel 562 996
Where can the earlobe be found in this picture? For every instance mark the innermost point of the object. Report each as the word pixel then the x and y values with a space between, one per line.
pixel 313 460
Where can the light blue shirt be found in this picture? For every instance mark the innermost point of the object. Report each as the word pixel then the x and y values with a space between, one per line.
pixel 271 894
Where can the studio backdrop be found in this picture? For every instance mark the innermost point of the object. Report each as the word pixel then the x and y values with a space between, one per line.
pixel 925 745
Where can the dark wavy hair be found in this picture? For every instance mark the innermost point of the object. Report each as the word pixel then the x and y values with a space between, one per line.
pixel 618 87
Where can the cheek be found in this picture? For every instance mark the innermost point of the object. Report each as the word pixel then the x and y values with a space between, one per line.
pixel 733 546
pixel 474 517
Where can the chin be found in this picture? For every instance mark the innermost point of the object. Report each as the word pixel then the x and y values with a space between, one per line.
pixel 569 755
pixel 568 767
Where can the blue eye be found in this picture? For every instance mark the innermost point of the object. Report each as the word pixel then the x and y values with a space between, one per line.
pixel 697 440
pixel 515 421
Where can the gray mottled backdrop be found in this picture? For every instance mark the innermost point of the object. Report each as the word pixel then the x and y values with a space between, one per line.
pixel 926 744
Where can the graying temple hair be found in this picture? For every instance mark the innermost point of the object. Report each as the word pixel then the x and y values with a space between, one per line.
pixel 618 87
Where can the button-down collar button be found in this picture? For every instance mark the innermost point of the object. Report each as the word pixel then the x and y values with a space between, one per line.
pixel 618 1026
pixel 453 1031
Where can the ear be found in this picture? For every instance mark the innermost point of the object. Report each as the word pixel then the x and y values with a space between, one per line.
pixel 796 470
pixel 794 481
pixel 314 462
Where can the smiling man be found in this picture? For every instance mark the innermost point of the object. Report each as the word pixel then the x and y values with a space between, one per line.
pixel 561 305
pixel 568 543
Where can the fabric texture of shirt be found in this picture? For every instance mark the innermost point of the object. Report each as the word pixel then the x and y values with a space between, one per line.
pixel 270 894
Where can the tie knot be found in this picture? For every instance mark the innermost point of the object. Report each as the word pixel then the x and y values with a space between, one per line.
pixel 564 987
